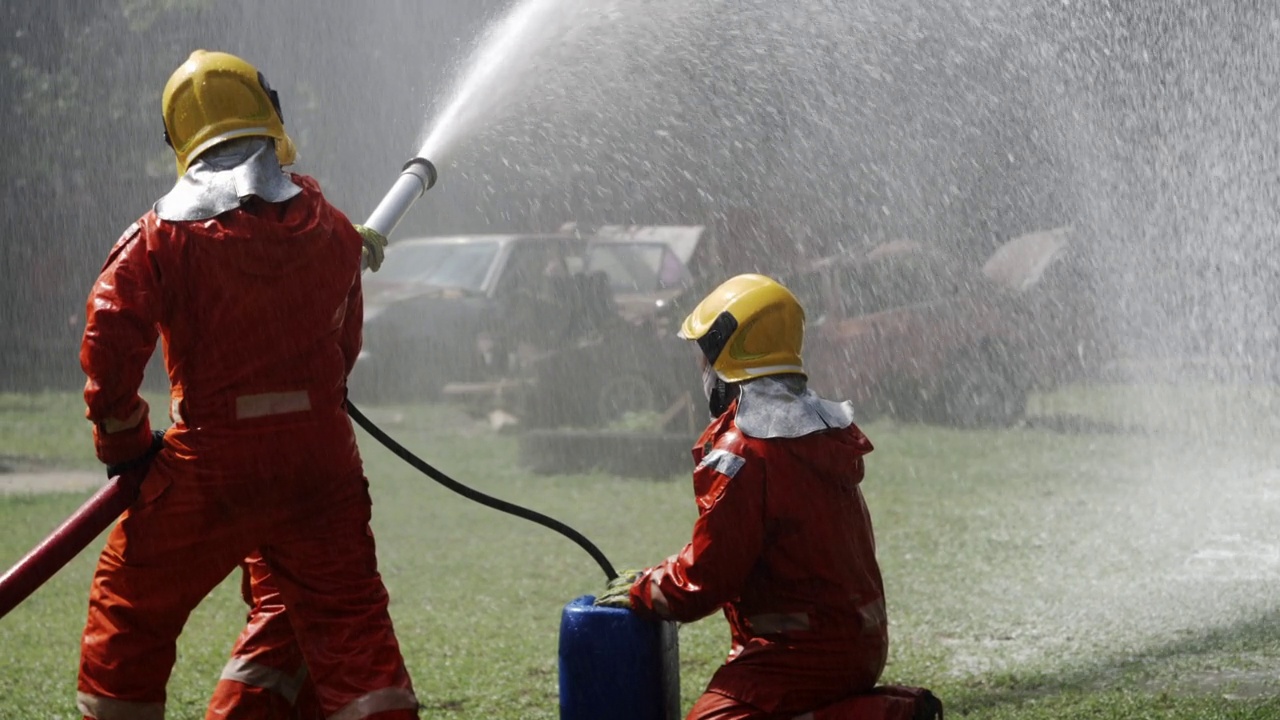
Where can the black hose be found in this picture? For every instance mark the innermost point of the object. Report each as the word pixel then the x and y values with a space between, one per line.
pixel 472 494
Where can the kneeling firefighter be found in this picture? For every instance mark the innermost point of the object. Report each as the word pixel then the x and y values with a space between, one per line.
pixel 783 541
pixel 252 280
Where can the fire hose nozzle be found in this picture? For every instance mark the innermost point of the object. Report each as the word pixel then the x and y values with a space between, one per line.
pixel 424 169
pixel 416 178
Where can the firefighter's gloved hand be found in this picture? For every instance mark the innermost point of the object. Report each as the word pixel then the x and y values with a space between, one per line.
pixel 141 462
pixel 375 246
pixel 618 592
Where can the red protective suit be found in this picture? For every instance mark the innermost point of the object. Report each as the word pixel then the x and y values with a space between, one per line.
pixel 260 311
pixel 783 543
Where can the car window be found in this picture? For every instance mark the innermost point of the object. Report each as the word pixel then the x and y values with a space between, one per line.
pixel 534 266
pixel 672 273
pixel 452 265
pixel 638 267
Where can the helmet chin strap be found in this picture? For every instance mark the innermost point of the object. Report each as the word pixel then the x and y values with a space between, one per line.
pixel 720 394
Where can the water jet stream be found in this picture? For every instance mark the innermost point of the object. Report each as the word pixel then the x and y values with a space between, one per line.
pixel 495 77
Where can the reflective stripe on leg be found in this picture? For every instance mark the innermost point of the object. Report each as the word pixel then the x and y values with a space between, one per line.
pixel 376 702
pixel 105 708
pixel 286 685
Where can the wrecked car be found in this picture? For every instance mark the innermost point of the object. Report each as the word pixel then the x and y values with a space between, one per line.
pixel 629 360
pixel 553 330
pixel 462 308
pixel 908 331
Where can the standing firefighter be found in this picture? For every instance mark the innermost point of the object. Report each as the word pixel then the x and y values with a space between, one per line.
pixel 783 541
pixel 252 280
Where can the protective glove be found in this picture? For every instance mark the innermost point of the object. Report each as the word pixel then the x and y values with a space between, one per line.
pixel 617 593
pixel 375 245
pixel 140 463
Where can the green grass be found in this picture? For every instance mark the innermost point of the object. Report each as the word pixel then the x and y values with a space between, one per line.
pixel 1119 570
pixel 49 430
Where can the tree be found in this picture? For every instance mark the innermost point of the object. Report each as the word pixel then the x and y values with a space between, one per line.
pixel 73 120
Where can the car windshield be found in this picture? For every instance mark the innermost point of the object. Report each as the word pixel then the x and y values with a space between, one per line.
pixel 636 268
pixel 450 265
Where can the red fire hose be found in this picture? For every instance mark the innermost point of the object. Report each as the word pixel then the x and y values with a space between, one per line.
pixel 46 559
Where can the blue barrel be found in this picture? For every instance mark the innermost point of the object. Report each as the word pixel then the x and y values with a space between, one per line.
pixel 615 665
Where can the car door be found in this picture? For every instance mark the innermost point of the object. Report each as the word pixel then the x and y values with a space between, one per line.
pixel 532 290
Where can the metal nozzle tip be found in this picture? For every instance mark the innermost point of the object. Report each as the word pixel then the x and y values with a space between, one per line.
pixel 424 169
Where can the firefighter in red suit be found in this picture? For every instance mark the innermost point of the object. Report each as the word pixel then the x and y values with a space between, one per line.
pixel 251 280
pixel 783 541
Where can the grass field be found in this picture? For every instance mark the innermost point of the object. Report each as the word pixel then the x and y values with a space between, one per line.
pixel 1117 557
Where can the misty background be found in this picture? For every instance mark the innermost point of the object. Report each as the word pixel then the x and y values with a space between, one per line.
pixel 1148 126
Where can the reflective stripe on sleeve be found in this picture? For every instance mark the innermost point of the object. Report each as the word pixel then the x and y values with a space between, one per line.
pixel 104 708
pixel 723 462
pixel 376 702
pixel 112 425
pixel 873 616
pixel 286 685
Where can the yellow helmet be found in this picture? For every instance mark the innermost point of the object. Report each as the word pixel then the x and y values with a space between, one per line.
pixel 749 327
pixel 214 97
